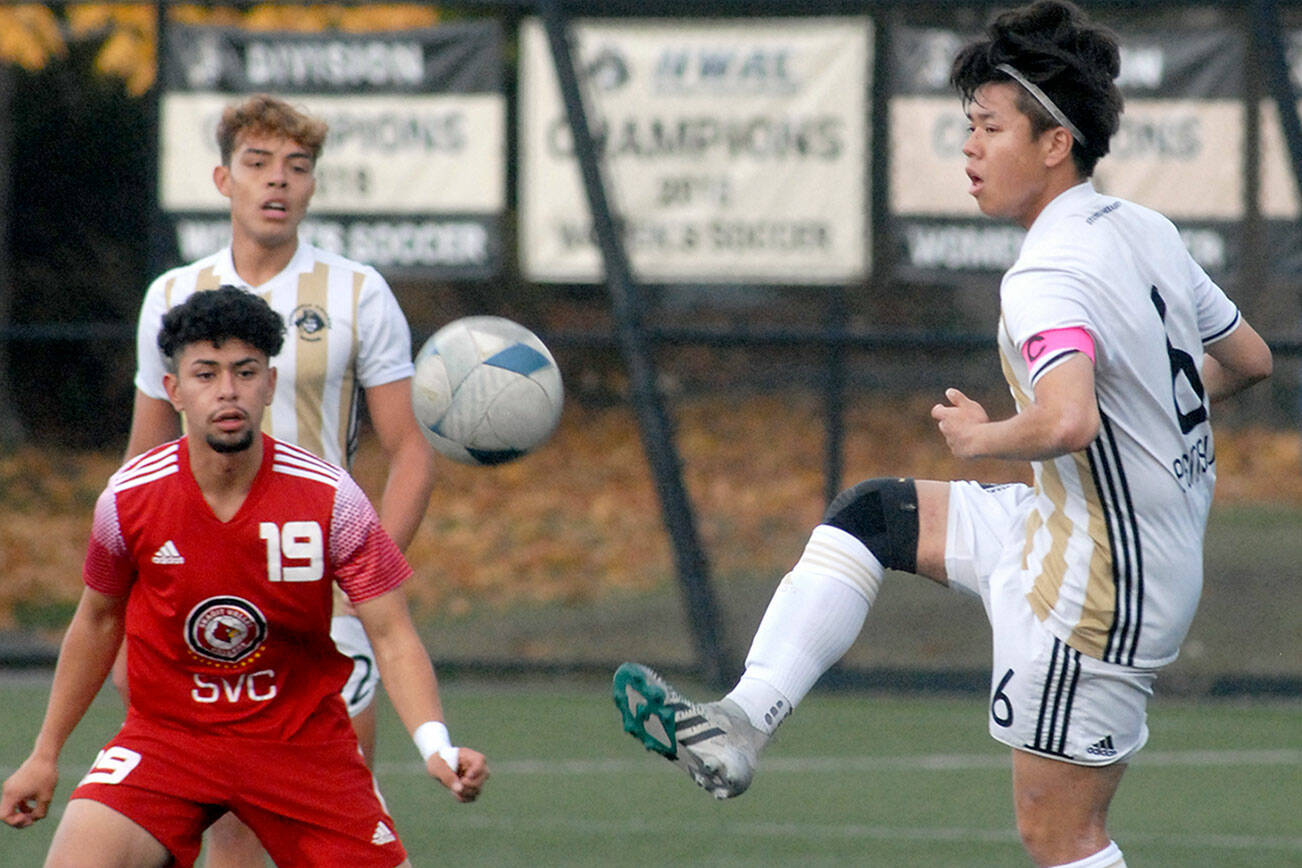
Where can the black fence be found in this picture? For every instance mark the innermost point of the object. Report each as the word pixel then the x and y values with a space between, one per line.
pixel 83 240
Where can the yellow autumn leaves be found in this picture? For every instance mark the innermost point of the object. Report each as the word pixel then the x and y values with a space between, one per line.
pixel 33 34
pixel 29 36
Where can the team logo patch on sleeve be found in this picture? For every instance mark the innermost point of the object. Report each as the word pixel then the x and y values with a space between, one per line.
pixel 225 629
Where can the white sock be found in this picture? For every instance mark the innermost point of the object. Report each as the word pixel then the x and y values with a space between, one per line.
pixel 815 615
pixel 1109 857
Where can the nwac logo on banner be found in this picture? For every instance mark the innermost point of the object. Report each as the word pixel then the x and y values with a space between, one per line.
pixel 746 70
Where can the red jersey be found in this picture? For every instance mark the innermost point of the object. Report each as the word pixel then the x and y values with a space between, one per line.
pixel 228 623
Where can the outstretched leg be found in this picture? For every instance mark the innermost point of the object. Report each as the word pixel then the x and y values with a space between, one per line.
pixel 820 606
pixel 814 616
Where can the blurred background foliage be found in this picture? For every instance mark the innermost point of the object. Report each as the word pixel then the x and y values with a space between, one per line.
pixel 34 34
pixel 81 169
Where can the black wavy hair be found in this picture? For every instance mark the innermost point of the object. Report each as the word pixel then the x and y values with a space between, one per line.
pixel 1072 60
pixel 217 316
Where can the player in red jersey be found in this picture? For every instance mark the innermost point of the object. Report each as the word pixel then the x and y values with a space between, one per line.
pixel 215 555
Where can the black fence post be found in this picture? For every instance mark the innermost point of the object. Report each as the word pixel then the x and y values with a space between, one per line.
pixel 653 422
pixel 12 431
pixel 834 395
pixel 158 248
pixel 1275 60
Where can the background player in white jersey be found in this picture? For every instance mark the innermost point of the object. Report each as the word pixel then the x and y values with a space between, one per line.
pixel 347 334
pixel 232 668
pixel 1113 342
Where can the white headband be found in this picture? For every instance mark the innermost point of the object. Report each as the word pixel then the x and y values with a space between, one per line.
pixel 1043 99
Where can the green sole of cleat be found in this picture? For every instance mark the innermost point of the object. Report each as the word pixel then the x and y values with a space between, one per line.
pixel 646 717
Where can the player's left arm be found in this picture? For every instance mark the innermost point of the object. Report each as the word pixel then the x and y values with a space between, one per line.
pixel 1235 362
pixel 409 680
pixel 410 477
pixel 1063 417
pixel 85 655
pixel 152 422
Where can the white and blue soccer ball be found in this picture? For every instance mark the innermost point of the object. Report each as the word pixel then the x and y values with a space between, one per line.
pixel 486 390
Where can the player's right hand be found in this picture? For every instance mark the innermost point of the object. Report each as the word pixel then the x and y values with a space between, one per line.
pixel 467 780
pixel 959 421
pixel 28 792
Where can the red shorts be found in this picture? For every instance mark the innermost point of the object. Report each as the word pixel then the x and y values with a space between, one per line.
pixel 311 802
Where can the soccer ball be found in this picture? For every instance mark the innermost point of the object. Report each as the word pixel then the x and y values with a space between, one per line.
pixel 486 390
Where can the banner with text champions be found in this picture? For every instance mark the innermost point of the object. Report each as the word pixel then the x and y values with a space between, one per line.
pixel 734 151
pixel 413 174
pixel 1180 150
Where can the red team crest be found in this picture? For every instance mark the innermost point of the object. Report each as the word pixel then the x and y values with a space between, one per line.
pixel 225 629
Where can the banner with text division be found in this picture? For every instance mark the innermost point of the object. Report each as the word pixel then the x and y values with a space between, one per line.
pixel 413 174
pixel 735 151
pixel 1180 150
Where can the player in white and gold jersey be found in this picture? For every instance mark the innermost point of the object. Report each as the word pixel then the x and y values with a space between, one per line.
pixel 1115 533
pixel 1114 343
pixel 346 334
pixel 347 337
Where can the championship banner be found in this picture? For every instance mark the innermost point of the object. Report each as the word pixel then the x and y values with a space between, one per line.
pixel 734 152
pixel 413 174
pixel 1180 150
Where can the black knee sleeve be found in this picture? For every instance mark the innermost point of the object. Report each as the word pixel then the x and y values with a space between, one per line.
pixel 883 515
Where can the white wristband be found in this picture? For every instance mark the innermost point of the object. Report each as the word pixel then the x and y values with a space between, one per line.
pixel 431 738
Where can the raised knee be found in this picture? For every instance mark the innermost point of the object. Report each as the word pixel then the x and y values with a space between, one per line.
pixel 882 513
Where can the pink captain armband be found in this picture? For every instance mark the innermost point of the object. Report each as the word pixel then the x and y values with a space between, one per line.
pixel 1050 345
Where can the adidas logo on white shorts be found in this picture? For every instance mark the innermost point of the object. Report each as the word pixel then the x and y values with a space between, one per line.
pixel 1102 747
pixel 168 554
pixel 383 834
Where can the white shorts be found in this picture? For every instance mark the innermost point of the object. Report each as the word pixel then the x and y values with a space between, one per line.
pixel 1045 697
pixel 350 638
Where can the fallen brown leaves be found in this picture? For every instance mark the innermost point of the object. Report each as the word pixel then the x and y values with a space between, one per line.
pixel 581 516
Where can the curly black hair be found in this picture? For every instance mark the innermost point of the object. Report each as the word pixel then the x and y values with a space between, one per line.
pixel 218 315
pixel 1071 59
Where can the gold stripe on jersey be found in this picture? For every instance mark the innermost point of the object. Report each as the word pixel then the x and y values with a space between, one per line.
pixel 1034 521
pixel 1033 524
pixel 1019 397
pixel 206 279
pixel 310 361
pixel 348 383
pixel 1100 607
pixel 1090 635
pixel 1047 586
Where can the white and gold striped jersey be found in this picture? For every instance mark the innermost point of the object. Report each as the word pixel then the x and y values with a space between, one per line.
pixel 345 332
pixel 1113 552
